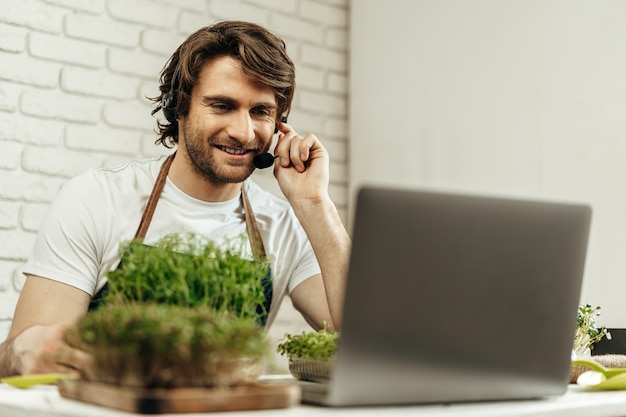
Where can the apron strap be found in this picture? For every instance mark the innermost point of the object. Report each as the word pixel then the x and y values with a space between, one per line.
pixel 148 211
pixel 256 242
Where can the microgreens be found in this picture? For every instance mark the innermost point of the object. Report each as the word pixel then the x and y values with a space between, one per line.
pixel 309 345
pixel 186 270
pixel 184 312
pixel 150 345
pixel 587 331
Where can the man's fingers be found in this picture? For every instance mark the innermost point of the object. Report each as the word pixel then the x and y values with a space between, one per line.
pixel 81 360
pixel 301 150
pixel 284 127
pixel 294 149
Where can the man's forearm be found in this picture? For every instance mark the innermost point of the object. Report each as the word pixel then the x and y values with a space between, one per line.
pixel 331 244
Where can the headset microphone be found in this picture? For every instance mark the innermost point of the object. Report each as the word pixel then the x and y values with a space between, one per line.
pixel 264 160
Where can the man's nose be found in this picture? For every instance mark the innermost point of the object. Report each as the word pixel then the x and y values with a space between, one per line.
pixel 242 127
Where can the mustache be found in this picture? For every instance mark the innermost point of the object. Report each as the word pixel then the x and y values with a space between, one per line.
pixel 231 142
pixel 228 142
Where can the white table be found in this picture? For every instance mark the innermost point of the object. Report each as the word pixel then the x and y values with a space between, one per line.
pixel 45 401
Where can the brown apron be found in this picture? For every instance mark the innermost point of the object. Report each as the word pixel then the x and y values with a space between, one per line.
pixel 256 242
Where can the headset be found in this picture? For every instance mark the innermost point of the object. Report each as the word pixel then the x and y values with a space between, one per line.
pixel 170 99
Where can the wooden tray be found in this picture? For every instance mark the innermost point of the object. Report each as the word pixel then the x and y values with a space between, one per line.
pixel 264 395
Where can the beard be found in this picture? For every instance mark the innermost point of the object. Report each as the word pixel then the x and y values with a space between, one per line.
pixel 201 154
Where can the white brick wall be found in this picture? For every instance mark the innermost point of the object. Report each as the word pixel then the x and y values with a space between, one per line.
pixel 73 82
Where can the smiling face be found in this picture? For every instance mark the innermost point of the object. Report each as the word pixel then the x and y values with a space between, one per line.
pixel 231 119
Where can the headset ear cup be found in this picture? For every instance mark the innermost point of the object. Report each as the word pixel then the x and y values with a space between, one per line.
pixel 168 105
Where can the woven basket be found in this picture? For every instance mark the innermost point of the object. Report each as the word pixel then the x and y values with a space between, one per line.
pixel 316 370
pixel 608 361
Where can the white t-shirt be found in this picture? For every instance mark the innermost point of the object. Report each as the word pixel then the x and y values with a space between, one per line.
pixel 78 240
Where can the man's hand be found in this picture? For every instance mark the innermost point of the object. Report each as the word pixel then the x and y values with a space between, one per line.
pixel 42 349
pixel 303 176
pixel 302 170
pixel 36 340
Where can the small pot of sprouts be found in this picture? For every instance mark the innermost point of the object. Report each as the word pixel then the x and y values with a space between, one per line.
pixel 310 354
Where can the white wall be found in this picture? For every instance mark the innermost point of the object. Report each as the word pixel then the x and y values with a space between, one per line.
pixel 514 97
pixel 74 75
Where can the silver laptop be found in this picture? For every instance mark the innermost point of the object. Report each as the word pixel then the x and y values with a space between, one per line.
pixel 455 298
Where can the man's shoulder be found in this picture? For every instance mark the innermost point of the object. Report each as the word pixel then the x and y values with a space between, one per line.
pixel 133 176
pixel 128 175
pixel 137 168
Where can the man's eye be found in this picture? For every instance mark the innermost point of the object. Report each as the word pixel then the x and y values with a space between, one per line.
pixel 261 112
pixel 221 106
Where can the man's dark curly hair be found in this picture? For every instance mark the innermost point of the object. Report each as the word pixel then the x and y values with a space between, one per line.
pixel 263 57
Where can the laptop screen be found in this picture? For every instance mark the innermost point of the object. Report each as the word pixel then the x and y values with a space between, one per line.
pixel 459 298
